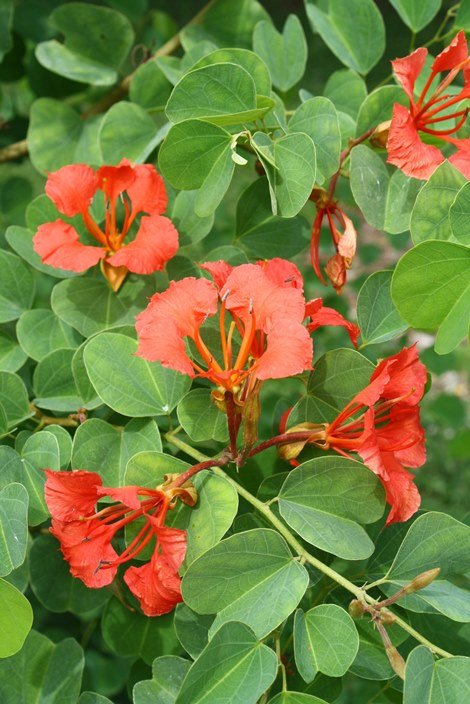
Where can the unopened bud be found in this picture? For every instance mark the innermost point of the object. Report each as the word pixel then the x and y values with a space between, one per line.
pixel 356 608
pixel 290 451
pixel 396 661
pixel 251 414
pixel 379 136
pixel 421 581
pixel 387 617
pixel 186 493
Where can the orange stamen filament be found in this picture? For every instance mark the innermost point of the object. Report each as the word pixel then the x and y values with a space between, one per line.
pixel 93 229
pixel 247 341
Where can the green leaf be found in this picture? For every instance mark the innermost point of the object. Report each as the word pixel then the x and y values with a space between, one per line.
pixel 215 185
pixel 377 316
pixel 324 501
pixel 231 22
pixel 200 417
pixel 440 597
pixel 13 398
pixel 358 44
pixel 294 177
pixel 317 117
pixel 12 357
pixel 54 384
pixel 40 332
pixel 192 629
pixel 378 106
pixel 130 633
pixel 100 447
pixel 371 662
pixel 40 451
pixel 53 584
pixel 431 289
pixel 250 576
pixel 58 58
pixel 446 681
pixel 92 698
pixel 458 215
pixel 295 698
pixel 325 640
pixel 13 527
pixel 233 667
pixel 168 673
pixel 248 60
pixel 53 134
pixel 89 305
pixel 346 90
pixel 6 21
pixel 64 441
pixel 127 130
pixel 16 619
pixel 430 216
pixel 189 152
pixel 82 380
pixel 417 15
pixel 42 672
pixel 191 227
pixel 149 86
pixel 17 287
pixel 284 54
pixel 128 384
pixel 149 468
pixel 263 234
pixel 21 240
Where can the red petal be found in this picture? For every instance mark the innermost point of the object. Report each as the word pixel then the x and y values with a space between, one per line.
pixel 400 491
pixel 147 192
pixel 406 150
pixel 128 495
pixel 452 55
pixel 70 495
pixel 347 241
pixel 72 188
pixel 321 315
pixel 289 351
pixel 113 180
pixel 58 245
pixel 171 316
pixel 155 585
pixel 156 242
pixel 461 161
pixel 408 68
pixel 283 273
pixel 219 271
pixel 407 374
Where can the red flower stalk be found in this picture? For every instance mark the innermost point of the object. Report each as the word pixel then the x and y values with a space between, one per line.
pixel 266 306
pixel 381 424
pixel 426 113
pixel 86 535
pixel 128 191
pixel 344 238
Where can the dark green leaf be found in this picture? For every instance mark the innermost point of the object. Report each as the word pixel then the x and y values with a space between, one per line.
pixel 17 287
pixel 377 316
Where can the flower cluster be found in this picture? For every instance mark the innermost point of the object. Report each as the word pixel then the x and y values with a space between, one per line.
pixel 86 535
pixel 138 189
pixel 381 423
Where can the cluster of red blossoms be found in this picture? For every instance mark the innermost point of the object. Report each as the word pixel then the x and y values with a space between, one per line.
pixel 86 535
pixel 381 424
pixel 127 191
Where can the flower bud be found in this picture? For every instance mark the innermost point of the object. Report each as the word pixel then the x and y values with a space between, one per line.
pixel 387 617
pixel 356 608
pixel 186 493
pixel 379 136
pixel 396 661
pixel 422 580
pixel 290 451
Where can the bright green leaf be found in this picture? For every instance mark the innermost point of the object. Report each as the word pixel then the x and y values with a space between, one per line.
pixel 284 54
pixel 127 130
pixel 168 673
pixel 200 417
pixel 248 60
pixel 427 681
pixel 13 527
pixel 417 15
pixel 16 619
pixel 17 287
pixel 459 215
pixel 40 332
pixel 317 117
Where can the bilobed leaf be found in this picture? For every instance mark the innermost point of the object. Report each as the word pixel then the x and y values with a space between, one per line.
pixel 190 150
pixel 168 673
pixel 325 640
pixel 14 398
pixel 430 216
pixel 82 381
pixel 129 384
pixel 149 468
pixel 318 119
pixel 248 60
pixel 17 287
pixel 459 215
pixel 326 499
pixel 13 527
pixel 250 576
pixel 192 629
pixel 58 58
pixel 294 176
pixel 42 671
pixel 200 417
pixel 233 667
pixel 401 196
pixel 358 44
pixel 416 15
pixel 377 316
pixel 40 332
pixel 427 681
pixel 16 619
pixel 54 384
pixel 346 90
pixel 231 22
pixel 127 130
pixel 40 452
pixel 284 54
pixel 12 357
pixel 431 290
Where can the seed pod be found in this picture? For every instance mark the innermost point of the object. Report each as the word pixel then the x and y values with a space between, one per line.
pixel 396 661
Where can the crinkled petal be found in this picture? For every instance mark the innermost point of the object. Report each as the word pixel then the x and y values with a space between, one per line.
pixel 348 239
pixel 401 493
pixel 58 245
pixel 70 495
pixel 129 495
pixel 335 269
pixel 408 376
pixel 461 161
pixel 113 180
pixel 321 315
pixel 283 273
pixel 219 271
pixel 452 55
pixel 406 150
pixel 147 192
pixel 155 585
pixel 72 188
pixel 289 351
pixel 408 68
pixel 155 243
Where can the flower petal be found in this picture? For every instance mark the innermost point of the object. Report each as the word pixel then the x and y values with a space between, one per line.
pixel 155 243
pixel 335 269
pixel 348 239
pixel 407 374
pixel 283 273
pixel 401 493
pixel 70 495
pixel 289 351
pixel 58 245
pixel 147 192
pixel 452 55
pixel 72 188
pixel 321 315
pixel 406 150
pixel 408 68
pixel 155 585
pixel 461 161
pixel 113 180
pixel 219 271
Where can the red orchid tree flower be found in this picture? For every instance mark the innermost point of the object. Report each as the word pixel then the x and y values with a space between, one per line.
pixel 404 145
pixel 127 191
pixel 86 534
pixel 382 425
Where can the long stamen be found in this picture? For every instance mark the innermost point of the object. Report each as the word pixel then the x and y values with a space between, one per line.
pixel 205 353
pixel 223 339
pixel 446 117
pixel 315 245
pixel 93 229
pixel 425 90
pixel 247 341
pixel 126 224
pixel 443 106
pixel 231 330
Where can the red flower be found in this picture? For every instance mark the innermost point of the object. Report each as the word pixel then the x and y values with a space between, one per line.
pixel 404 145
pixel 86 535
pixel 139 189
pixel 266 305
pixel 381 423
pixel 320 315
